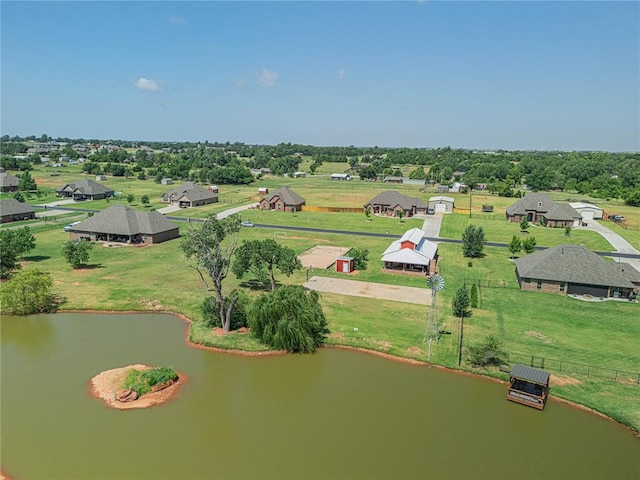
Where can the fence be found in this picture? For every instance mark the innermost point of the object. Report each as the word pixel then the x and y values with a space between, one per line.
pixel 574 368
pixel 491 283
pixel 309 208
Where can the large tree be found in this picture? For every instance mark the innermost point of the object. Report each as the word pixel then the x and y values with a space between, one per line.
pixel 77 252
pixel 26 182
pixel 473 240
pixel 28 292
pixel 208 248
pixel 14 244
pixel 290 318
pixel 256 255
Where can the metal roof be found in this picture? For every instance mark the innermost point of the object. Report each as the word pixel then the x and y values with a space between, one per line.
pixel 532 375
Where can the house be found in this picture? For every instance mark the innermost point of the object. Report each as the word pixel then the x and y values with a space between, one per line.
pixel 574 270
pixel 441 204
pixel 260 171
pixel 282 199
pixel 340 176
pixel 442 189
pixel 540 208
pixel 412 253
pixel 85 190
pixel 11 210
pixel 390 202
pixel 122 224
pixel 189 195
pixel 166 181
pixel 588 211
pixel 391 179
pixel 299 174
pixel 8 183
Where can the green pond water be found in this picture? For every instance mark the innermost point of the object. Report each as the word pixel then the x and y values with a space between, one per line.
pixel 335 414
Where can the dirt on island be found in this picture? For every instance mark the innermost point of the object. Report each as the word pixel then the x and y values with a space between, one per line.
pixel 107 383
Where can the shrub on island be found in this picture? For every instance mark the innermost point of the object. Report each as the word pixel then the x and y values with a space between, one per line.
pixel 144 381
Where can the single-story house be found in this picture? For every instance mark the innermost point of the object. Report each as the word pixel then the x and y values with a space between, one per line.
pixel 11 210
pixel 441 204
pixel 588 211
pixel 390 202
pixel 8 183
pixel 574 269
pixel 189 195
pixel 392 179
pixel 120 223
pixel 85 190
pixel 340 176
pixel 540 208
pixel 283 199
pixel 412 253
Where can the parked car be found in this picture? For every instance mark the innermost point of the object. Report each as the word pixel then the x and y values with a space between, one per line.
pixel 246 223
pixel 70 226
pixel 616 218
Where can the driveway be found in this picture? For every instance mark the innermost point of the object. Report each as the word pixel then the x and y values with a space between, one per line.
pixel 431 225
pixel 231 211
pixel 169 209
pixel 616 241
pixel 420 296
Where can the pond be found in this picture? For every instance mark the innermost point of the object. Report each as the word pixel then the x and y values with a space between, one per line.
pixel 335 414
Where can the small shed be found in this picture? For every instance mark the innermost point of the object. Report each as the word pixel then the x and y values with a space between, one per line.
pixel 528 386
pixel 345 264
pixel 99 178
pixel 442 189
pixel 263 191
pixel 213 188
pixel 166 181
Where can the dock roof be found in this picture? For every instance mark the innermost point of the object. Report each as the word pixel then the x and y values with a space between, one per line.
pixel 531 375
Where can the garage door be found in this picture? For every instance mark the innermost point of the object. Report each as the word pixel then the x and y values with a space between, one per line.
pixel 441 207
pixel 594 291
pixel 587 215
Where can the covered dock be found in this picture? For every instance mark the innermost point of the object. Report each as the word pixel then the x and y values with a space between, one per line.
pixel 528 386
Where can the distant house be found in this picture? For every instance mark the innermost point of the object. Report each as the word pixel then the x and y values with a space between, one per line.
pixel 442 189
pixel 122 224
pixel 190 195
pixel 8 183
pixel 458 187
pixel 390 202
pixel 588 211
pixel 540 208
pixel 283 199
pixel 85 190
pixel 412 253
pixel 575 270
pixel 391 179
pixel 260 171
pixel 441 204
pixel 340 176
pixel 166 181
pixel 299 174
pixel 11 210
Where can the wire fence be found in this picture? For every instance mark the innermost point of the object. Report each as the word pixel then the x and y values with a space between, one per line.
pixel 574 368
pixel 491 283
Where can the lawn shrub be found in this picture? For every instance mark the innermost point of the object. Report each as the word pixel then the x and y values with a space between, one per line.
pixel 143 381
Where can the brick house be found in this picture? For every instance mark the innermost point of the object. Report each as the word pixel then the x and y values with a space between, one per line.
pixel 11 210
pixel 190 195
pixel 390 202
pixel 8 183
pixel 85 189
pixel 283 199
pixel 540 208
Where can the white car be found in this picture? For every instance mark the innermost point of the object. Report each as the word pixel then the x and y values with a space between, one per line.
pixel 70 226
pixel 246 223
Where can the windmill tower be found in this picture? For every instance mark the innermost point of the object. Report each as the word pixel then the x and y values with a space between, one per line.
pixel 435 283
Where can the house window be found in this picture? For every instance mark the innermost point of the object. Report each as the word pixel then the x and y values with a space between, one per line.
pixel 527 280
pixel 539 285
pixel 562 284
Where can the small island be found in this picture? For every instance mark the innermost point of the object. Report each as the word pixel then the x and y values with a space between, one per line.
pixel 136 386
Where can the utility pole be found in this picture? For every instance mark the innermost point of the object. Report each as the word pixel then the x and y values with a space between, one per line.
pixel 470 190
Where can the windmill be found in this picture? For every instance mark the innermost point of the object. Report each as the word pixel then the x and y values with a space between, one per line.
pixel 435 283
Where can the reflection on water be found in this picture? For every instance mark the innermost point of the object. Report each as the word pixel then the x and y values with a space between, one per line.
pixel 335 414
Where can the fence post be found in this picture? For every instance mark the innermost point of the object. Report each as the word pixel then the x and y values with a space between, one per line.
pixel 588 370
pixel 616 376
pixel 531 363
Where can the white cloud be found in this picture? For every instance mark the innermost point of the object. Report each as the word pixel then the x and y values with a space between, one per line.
pixel 239 83
pixel 266 78
pixel 178 21
pixel 147 84
pixel 341 74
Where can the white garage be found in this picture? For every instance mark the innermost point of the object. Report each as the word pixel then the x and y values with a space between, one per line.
pixel 588 211
pixel 441 204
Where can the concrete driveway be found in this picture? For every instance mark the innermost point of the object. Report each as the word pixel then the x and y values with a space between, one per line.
pixel 431 225
pixel 616 241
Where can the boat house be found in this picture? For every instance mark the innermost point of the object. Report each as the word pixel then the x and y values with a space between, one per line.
pixel 528 386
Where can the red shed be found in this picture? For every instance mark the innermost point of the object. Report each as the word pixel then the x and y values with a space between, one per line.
pixel 213 188
pixel 344 264
pixel 263 191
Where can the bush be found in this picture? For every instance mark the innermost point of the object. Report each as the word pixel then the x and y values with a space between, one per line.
pixel 360 258
pixel 473 296
pixel 28 292
pixel 488 352
pixel 143 381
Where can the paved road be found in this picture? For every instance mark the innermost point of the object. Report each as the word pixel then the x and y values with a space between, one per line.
pixel 616 241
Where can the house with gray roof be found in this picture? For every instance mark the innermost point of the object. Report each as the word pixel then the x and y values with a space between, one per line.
pixel 412 253
pixel 539 208
pixel 284 199
pixel 8 182
pixel 190 195
pixel 85 189
pixel 390 202
pixel 575 270
pixel 122 224
pixel 11 210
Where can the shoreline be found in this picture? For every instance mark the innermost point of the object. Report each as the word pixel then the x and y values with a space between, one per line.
pixel 388 356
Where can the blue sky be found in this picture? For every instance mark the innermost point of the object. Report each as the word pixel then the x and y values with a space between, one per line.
pixel 511 75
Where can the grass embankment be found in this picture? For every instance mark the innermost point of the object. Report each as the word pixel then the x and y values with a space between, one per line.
pixel 143 381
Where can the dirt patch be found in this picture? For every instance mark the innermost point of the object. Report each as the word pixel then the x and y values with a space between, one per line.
pixel 107 383
pixel 415 351
pixel 538 335
pixel 336 335
pixel 380 291
pixel 562 380
pixel 321 256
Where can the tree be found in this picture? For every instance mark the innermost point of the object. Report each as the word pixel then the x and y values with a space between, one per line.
pixel 524 224
pixel 360 258
pixel 400 214
pixel 255 255
pixel 239 315
pixel 130 198
pixel 14 244
pixel 488 352
pixel 19 196
pixel 473 240
pixel 367 213
pixel 26 182
pixel 77 252
pixel 567 230
pixel 529 244
pixel 144 199
pixel 461 301
pixel 28 292
pixel 289 318
pixel 208 249
pixel 515 246
pixel 473 296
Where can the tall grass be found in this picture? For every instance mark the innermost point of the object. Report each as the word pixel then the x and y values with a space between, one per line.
pixel 143 381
